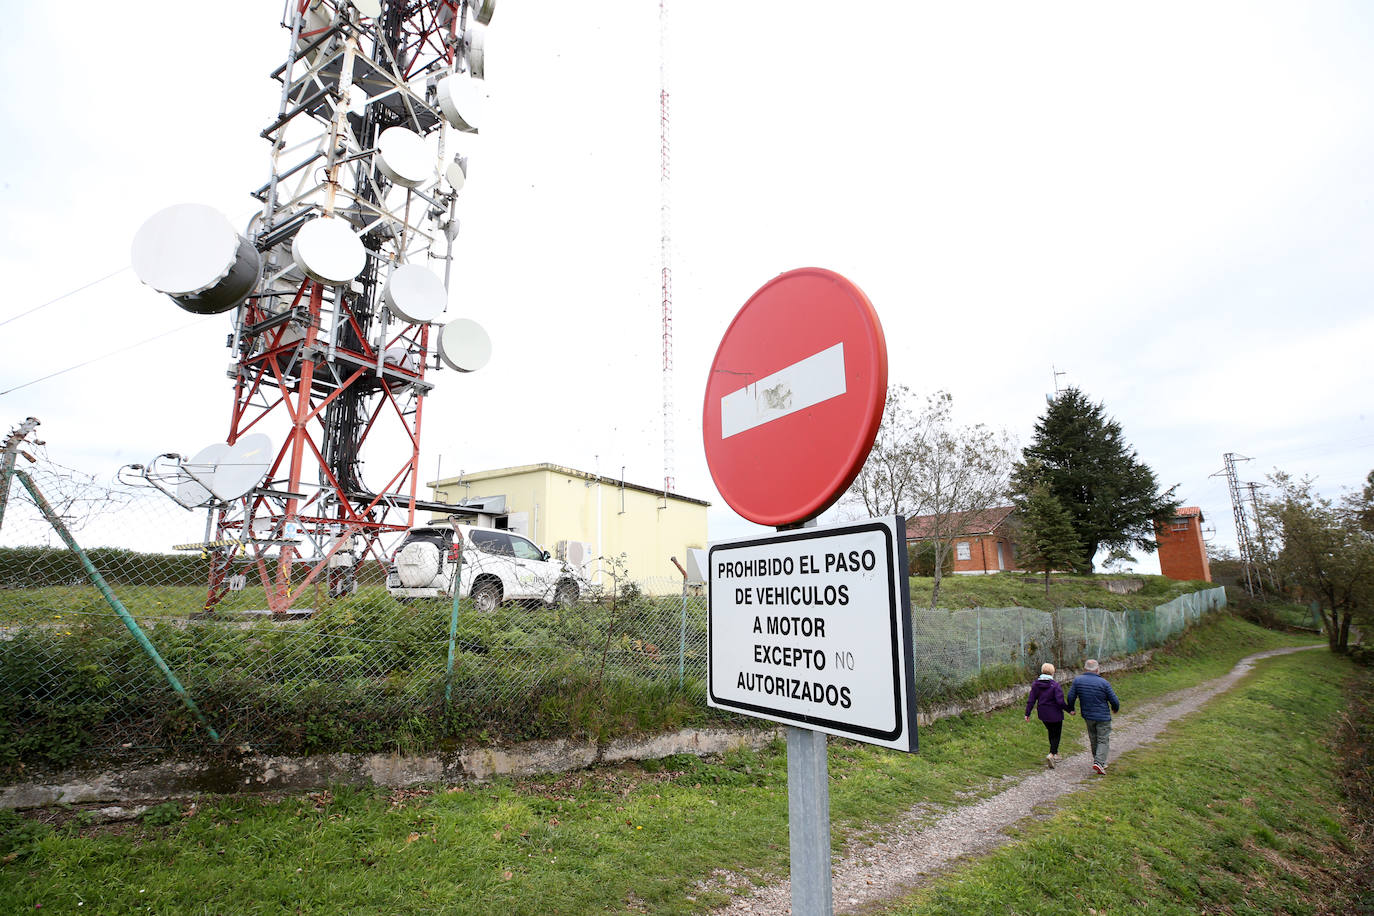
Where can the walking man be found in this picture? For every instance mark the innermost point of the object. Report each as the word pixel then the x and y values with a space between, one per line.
pixel 1099 702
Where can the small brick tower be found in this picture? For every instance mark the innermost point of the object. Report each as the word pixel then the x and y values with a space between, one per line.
pixel 1182 554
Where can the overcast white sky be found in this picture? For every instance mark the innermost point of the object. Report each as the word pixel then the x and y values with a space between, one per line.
pixel 1170 202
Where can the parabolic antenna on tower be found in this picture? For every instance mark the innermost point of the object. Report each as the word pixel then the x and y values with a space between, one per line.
pixel 328 251
pixel 335 339
pixel 415 293
pixel 464 345
pixel 192 253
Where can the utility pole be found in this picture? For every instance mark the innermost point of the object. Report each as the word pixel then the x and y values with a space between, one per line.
pixel 1264 561
pixel 1247 552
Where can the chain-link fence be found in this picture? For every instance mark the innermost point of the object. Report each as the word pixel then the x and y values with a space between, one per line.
pixel 963 647
pixel 107 651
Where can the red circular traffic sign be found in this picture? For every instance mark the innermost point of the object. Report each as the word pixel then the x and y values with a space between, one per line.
pixel 795 397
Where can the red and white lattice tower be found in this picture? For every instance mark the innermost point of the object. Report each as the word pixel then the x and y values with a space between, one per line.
pixel 337 305
pixel 665 253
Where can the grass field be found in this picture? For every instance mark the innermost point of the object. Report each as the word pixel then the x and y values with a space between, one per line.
pixel 643 838
pixel 1235 810
pixel 1021 590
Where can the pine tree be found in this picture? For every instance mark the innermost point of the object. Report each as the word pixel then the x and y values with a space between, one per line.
pixel 1047 537
pixel 1080 455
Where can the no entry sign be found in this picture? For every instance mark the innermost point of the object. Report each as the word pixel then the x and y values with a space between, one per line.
pixel 812 628
pixel 795 397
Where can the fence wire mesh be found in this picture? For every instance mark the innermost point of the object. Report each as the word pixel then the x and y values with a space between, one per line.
pixel 366 671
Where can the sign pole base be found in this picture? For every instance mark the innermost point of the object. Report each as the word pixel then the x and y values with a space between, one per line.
pixel 808 809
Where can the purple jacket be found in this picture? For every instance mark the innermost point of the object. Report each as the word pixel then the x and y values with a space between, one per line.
pixel 1048 699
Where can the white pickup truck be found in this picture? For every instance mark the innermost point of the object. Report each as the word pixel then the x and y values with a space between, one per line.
pixel 493 567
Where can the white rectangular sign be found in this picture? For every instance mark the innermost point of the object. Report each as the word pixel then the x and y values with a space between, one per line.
pixel 812 627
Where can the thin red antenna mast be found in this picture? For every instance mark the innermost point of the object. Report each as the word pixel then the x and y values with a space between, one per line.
pixel 665 248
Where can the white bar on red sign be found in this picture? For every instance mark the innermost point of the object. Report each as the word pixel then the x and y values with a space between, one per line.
pixel 803 384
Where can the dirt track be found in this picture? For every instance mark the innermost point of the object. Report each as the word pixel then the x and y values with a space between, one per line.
pixel 915 848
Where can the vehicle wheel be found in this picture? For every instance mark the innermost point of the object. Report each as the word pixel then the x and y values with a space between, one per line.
pixel 566 595
pixel 486 597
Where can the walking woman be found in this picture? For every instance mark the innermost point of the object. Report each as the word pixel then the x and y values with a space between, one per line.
pixel 1049 704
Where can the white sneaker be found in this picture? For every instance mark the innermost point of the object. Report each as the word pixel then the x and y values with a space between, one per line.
pixel 1049 761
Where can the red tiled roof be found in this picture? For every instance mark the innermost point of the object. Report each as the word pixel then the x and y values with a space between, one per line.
pixel 1189 512
pixel 920 527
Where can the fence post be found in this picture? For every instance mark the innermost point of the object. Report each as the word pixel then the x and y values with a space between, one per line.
pixel 979 618
pixel 1085 632
pixel 15 437
pixel 1021 623
pixel 99 582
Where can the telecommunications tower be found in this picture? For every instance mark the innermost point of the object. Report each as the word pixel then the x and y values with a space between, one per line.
pixel 1243 541
pixel 335 298
pixel 664 245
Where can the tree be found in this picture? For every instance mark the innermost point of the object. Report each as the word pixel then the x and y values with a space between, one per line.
pixel 883 486
pixel 1080 455
pixel 960 472
pixel 922 464
pixel 1119 560
pixel 1324 553
pixel 1048 538
pixel 1361 505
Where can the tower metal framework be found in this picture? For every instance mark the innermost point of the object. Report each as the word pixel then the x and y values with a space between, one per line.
pixel 336 366
pixel 665 253
pixel 1244 542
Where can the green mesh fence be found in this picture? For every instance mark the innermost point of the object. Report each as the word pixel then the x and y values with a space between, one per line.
pixel 369 672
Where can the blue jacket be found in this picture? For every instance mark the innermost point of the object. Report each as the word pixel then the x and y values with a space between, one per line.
pixel 1096 695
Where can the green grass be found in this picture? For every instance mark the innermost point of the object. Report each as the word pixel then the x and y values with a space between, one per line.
pixel 639 836
pixel 1002 590
pixel 1235 810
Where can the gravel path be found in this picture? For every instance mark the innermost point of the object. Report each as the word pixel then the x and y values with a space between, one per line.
pixel 915 848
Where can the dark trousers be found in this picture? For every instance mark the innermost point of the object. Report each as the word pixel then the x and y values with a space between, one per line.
pixel 1055 729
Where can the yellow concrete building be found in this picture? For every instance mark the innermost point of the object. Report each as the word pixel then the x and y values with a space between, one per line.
pixel 586 518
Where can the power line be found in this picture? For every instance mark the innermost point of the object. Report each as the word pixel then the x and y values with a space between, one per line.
pixel 60 298
pixel 96 359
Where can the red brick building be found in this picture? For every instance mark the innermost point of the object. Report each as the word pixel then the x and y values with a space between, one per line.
pixel 985 543
pixel 1182 554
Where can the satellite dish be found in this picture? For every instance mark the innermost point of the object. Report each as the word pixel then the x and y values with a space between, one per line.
pixel 328 251
pixel 192 253
pixel 200 471
pixel 464 345
pixel 415 293
pixel 316 19
pixel 457 174
pixel 370 9
pixel 460 102
pixel 400 358
pixel 402 157
pixel 482 10
pixel 242 467
pixel 475 41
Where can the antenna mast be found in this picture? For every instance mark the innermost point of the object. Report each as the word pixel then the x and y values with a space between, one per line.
pixel 1247 550
pixel 336 309
pixel 665 254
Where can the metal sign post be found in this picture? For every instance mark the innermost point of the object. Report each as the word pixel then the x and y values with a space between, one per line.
pixel 808 817
pixel 809 627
